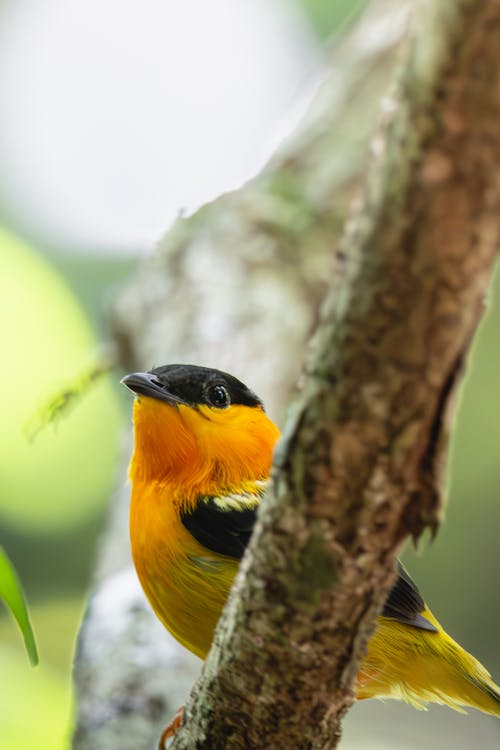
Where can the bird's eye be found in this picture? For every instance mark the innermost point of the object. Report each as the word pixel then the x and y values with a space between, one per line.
pixel 218 395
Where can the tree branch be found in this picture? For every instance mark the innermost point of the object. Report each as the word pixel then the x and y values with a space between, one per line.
pixel 267 247
pixel 360 465
pixel 215 293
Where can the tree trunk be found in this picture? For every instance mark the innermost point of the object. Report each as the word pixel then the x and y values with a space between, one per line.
pixel 360 465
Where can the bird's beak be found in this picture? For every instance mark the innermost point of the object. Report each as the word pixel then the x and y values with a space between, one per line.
pixel 147 384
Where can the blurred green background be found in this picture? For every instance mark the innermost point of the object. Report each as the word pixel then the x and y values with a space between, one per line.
pixel 54 489
pixel 54 289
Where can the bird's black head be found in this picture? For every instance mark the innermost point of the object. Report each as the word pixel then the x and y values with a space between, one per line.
pixel 191 385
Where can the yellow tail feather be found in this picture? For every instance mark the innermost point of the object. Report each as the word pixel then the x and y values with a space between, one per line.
pixel 421 667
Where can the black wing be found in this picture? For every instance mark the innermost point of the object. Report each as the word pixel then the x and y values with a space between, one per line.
pixel 227 530
pixel 222 529
pixel 405 603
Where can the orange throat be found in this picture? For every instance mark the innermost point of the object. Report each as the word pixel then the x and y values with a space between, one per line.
pixel 181 454
pixel 200 451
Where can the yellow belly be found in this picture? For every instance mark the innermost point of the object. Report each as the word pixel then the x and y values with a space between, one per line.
pixel 186 585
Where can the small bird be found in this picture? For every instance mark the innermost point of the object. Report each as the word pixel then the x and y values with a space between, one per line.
pixel 203 448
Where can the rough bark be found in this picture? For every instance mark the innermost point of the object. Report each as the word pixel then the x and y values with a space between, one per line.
pixel 360 465
pixel 236 286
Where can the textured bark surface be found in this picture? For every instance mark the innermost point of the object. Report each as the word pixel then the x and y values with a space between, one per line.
pixel 361 463
pixel 236 286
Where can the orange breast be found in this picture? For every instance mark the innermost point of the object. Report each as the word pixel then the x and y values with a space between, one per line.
pixel 186 584
pixel 181 454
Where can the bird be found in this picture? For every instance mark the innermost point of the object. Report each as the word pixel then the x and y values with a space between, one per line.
pixel 203 451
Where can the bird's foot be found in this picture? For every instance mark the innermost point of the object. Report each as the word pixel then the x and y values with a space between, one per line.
pixel 171 730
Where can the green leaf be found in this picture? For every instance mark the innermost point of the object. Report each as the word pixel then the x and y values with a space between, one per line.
pixel 12 594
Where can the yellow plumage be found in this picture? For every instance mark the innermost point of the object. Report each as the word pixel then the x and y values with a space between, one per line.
pixel 419 666
pixel 186 584
pixel 187 450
